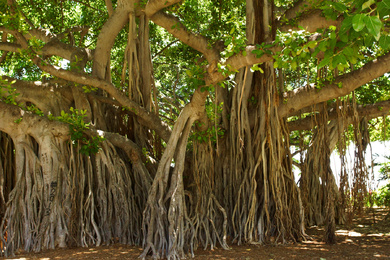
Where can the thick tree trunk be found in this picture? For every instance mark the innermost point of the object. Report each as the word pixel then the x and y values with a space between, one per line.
pixel 56 196
pixel 267 203
pixel 167 227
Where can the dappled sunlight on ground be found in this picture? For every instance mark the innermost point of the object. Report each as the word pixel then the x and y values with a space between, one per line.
pixel 367 238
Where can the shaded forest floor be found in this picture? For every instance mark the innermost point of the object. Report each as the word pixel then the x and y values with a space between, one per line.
pixel 364 239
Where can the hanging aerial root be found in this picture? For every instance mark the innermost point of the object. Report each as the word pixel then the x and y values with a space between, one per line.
pixel 207 214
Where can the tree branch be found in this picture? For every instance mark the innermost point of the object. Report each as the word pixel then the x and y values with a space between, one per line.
pixel 56 98
pixel 298 8
pixel 146 118
pixel 310 95
pixel 311 21
pixel 15 121
pixel 110 9
pixel 53 46
pixel 11 47
pixel 153 6
pixel 107 36
pixel 163 49
pixel 370 111
pixel 239 61
pixel 198 42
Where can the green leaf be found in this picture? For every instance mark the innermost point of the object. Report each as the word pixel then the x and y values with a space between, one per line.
pixel 383 8
pixel 344 37
pixel 358 23
pixel 312 44
pixel 346 25
pixel 374 26
pixel 348 51
pixel 353 59
pixel 294 65
pixel 368 4
pixel 339 7
pixel 341 68
pixel 384 42
pixel 339 59
pixel 386 3
pixel 323 46
pixel 324 62
pixel 368 40
pixel 258 53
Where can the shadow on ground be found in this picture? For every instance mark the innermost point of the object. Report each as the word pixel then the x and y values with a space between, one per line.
pixel 368 237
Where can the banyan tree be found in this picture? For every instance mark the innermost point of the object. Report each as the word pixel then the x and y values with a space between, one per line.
pixel 169 124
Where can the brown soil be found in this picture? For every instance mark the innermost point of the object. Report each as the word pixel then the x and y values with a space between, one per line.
pixel 367 238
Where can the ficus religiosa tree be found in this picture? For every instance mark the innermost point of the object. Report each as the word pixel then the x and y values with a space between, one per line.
pixel 169 124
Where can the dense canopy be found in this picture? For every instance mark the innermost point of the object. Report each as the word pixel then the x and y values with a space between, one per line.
pixel 170 124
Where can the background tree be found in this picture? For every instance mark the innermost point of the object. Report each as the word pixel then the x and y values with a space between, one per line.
pixel 169 123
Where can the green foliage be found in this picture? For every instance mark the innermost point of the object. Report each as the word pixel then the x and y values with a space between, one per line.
pixel 296 49
pixel 77 126
pixel 8 94
pixel 385 170
pixel 195 77
pixel 34 109
pixel 214 131
pixel 381 197
pixel 89 89
pixel 210 134
pixel 178 69
pixel 234 44
pixel 375 91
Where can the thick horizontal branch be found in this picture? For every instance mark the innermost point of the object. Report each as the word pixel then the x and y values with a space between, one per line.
pixel 153 6
pixel 11 47
pixel 310 95
pixel 53 45
pixel 369 111
pixel 146 118
pixel 196 41
pixel 56 97
pixel 311 21
pixel 66 51
pixel 132 149
pixel 15 121
pixel 298 8
pixel 239 61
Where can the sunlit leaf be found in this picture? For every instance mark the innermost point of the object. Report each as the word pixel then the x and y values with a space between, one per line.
pixel 368 4
pixel 324 62
pixel 348 51
pixel 358 23
pixel 339 6
pixel 374 25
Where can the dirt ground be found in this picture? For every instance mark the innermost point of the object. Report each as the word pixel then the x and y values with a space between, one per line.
pixel 365 239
